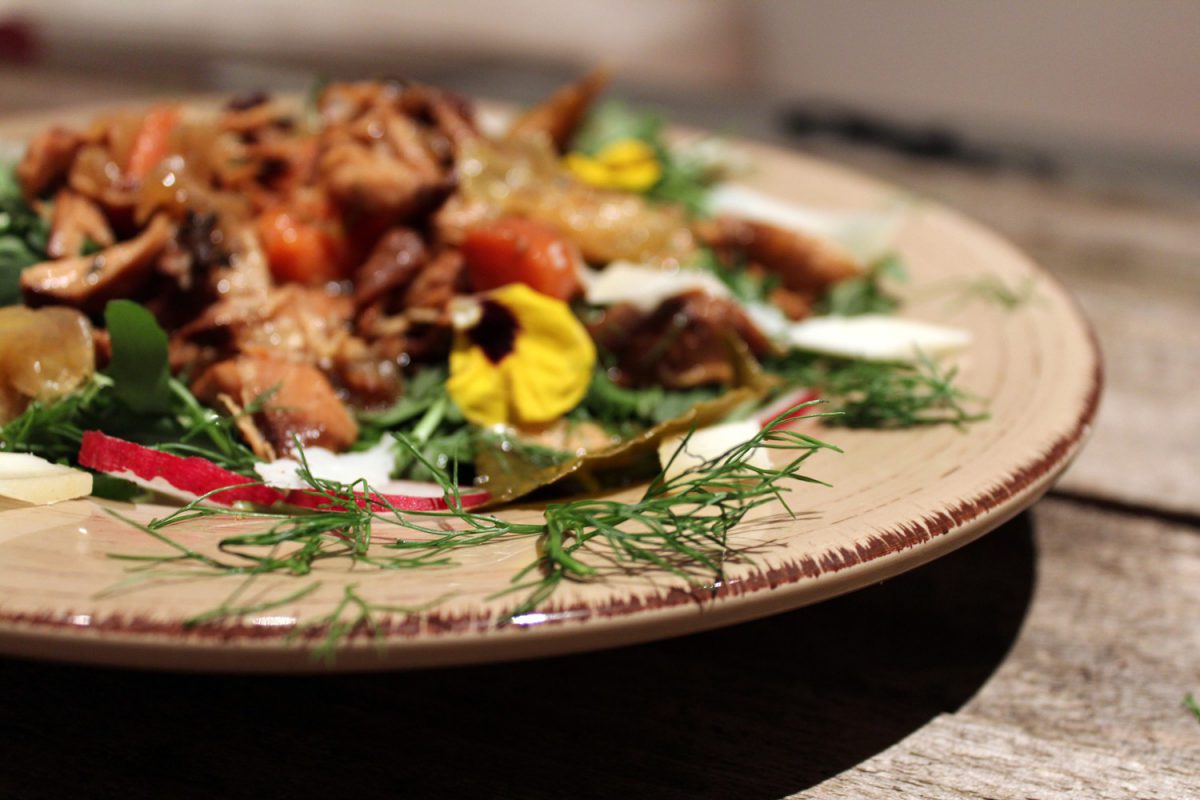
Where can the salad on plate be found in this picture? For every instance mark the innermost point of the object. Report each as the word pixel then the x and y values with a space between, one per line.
pixel 379 306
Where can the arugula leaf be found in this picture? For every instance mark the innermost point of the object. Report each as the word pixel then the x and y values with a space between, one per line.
pixel 433 424
pixel 612 121
pixel 612 405
pixel 745 285
pixel 139 366
pixel 867 394
pixel 865 294
pixel 23 236
pixel 425 388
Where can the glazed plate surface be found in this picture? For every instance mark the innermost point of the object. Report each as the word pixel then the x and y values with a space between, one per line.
pixel 898 499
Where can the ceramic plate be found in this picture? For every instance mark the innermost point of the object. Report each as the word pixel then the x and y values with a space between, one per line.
pixel 898 499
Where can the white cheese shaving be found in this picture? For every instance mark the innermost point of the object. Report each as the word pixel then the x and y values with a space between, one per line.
pixel 35 480
pixel 375 465
pixel 707 444
pixel 865 236
pixel 646 286
pixel 874 337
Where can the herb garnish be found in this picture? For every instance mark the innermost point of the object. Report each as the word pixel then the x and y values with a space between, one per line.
pixel 136 400
pixel 622 409
pixel 865 294
pixel 680 525
pixel 992 289
pixel 1190 703
pixel 746 285
pixel 23 236
pixel 880 395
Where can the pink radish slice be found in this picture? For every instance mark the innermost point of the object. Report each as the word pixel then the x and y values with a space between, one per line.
pixel 784 404
pixel 185 477
pixel 402 495
pixel 190 477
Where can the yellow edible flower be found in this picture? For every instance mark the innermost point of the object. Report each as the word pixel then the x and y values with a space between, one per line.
pixel 520 358
pixel 627 164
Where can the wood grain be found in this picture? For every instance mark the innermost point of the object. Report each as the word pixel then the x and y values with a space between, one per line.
pixel 1088 703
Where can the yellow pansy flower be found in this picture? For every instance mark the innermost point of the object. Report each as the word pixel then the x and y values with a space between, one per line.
pixel 520 358
pixel 627 164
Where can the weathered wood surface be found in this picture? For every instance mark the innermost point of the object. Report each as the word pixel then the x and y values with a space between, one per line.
pixel 1088 703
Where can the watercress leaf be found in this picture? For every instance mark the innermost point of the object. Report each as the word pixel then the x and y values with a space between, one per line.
pixel 139 367
pixel 22 236
pixel 865 294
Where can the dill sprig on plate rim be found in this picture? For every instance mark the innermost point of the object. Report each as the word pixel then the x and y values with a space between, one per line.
pixel 881 395
pixel 679 526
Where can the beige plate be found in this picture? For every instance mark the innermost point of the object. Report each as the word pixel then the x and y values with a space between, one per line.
pixel 899 499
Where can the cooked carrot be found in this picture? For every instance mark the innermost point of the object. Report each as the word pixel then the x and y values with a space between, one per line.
pixel 518 250
pixel 152 140
pixel 300 251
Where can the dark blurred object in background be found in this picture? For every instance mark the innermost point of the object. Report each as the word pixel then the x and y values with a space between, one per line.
pixel 18 45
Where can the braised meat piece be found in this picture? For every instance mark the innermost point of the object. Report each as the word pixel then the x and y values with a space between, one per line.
pixel 47 160
pixel 95 175
pixel 367 373
pixel 559 115
pixel 688 340
pixel 297 323
pixel 436 284
pixel 805 264
pixel 88 282
pixel 76 221
pixel 398 256
pixel 370 180
pixel 198 247
pixel 387 148
pixel 295 401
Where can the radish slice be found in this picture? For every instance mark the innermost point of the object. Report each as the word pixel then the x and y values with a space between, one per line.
pixel 401 495
pixel 785 403
pixel 374 466
pixel 35 480
pixel 187 478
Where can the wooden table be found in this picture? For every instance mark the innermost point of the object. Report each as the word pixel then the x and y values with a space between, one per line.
pixel 1048 660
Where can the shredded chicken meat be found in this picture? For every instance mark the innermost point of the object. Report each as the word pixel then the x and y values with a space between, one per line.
pixel 303 264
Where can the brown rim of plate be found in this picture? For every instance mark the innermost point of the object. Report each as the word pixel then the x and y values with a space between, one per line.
pixel 1020 486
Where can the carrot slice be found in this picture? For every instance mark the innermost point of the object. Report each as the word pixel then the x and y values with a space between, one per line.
pixel 300 251
pixel 152 141
pixel 518 250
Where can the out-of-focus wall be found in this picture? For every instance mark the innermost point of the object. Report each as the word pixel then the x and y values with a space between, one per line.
pixel 1120 75
pixel 1104 74
pixel 663 40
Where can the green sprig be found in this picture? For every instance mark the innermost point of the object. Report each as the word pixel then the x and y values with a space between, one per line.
pixel 23 235
pixel 881 395
pixel 679 525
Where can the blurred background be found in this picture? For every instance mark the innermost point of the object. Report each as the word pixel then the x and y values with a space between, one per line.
pixel 1072 128
pixel 1113 82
